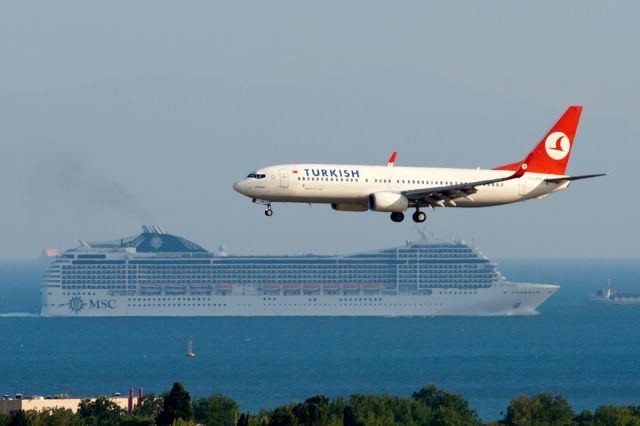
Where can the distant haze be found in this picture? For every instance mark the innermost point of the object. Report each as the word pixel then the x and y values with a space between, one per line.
pixel 117 114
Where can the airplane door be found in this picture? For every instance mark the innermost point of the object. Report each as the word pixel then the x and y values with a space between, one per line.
pixel 284 178
pixel 523 186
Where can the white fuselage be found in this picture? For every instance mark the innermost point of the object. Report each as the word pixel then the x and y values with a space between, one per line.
pixel 351 185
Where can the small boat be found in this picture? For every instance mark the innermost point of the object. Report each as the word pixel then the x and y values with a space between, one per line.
pixel 190 352
pixel 608 296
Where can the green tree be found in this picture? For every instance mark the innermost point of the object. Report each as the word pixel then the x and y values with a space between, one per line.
pixel 149 406
pixel 176 405
pixel 216 410
pixel 182 422
pixel 243 420
pixel 101 412
pixel 283 416
pixel 543 409
pixel 4 419
pixel 128 420
pixel 56 417
pixel 447 408
pixel 19 418
pixel 313 412
pixel 385 410
pixel 583 419
pixel 349 417
pixel 608 415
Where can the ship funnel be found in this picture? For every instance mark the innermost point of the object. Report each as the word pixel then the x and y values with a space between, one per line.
pixel 155 229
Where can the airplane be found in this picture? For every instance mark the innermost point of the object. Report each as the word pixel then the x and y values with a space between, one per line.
pixel 393 189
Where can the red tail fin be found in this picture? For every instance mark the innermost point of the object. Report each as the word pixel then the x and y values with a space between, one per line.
pixel 552 153
pixel 392 160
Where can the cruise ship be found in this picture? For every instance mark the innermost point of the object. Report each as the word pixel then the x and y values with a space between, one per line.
pixel 159 274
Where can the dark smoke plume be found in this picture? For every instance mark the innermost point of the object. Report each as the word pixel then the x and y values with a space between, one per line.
pixel 67 173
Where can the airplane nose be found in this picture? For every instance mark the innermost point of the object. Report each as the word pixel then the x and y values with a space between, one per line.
pixel 239 187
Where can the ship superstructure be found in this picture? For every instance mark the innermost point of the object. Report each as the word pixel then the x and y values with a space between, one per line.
pixel 159 274
pixel 608 296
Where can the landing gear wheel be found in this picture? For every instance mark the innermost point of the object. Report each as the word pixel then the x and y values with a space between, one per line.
pixel 397 216
pixel 268 211
pixel 419 216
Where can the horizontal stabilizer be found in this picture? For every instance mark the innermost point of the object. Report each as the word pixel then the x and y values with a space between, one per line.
pixel 570 178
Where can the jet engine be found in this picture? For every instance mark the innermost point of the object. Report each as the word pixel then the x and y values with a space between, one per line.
pixel 388 202
pixel 343 207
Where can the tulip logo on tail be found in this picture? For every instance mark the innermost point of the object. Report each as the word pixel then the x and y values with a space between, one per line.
pixel 558 145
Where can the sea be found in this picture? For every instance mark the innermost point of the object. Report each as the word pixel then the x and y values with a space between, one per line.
pixel 588 353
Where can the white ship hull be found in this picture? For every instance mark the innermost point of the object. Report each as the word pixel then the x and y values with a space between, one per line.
pixel 498 300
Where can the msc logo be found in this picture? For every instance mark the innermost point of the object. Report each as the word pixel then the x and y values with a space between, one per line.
pixel 102 304
pixel 76 304
pixel 557 145
pixel 156 242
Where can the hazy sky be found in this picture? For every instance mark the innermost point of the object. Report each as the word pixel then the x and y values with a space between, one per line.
pixel 116 114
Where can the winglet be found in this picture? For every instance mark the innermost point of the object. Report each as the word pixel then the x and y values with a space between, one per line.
pixel 391 161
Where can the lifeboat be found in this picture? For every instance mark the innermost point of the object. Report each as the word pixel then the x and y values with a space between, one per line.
pixel 272 287
pixel 224 286
pixel 371 286
pixel 291 286
pixel 332 286
pixel 351 286
pixel 311 286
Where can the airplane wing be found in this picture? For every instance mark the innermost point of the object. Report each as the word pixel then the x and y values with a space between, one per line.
pixel 440 196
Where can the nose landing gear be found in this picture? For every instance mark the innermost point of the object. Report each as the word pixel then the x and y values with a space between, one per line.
pixel 268 211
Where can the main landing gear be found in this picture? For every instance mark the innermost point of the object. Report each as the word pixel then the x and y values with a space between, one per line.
pixel 418 216
pixel 268 211
pixel 397 216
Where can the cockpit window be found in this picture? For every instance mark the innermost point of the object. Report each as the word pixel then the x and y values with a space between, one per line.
pixel 256 175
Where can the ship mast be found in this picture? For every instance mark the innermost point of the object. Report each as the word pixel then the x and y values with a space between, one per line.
pixel 190 352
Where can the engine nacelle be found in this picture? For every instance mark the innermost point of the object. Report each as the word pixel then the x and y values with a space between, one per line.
pixel 388 202
pixel 349 207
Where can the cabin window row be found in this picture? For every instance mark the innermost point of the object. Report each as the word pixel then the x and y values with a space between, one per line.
pixel 328 179
pixel 403 181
